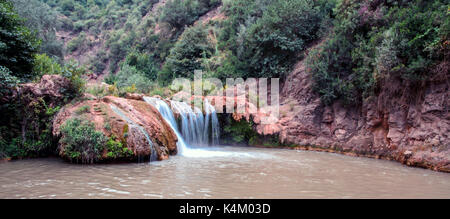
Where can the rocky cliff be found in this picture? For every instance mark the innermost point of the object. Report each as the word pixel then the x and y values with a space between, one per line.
pixel 393 125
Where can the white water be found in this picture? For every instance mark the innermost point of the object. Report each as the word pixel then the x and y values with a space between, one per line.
pixel 131 123
pixel 194 126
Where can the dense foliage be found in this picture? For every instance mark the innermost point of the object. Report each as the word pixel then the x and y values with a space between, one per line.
pixel 17 43
pixel 180 13
pixel 266 36
pixel 26 122
pixel 187 55
pixel 237 132
pixel 376 41
pixel 42 20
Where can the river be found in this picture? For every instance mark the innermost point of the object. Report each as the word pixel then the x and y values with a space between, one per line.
pixel 225 172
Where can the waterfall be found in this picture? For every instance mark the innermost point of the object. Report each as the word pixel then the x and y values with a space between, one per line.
pixel 167 114
pixel 195 126
pixel 131 123
pixel 210 111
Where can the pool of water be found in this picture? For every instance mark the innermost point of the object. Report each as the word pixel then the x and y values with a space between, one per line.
pixel 225 172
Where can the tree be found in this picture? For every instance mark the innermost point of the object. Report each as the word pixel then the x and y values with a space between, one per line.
pixel 186 56
pixel 17 43
pixel 39 17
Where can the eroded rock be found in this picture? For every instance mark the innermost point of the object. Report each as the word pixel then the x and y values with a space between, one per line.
pixel 122 118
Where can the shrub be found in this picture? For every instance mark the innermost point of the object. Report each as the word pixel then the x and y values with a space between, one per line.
pixel 74 73
pixel 76 43
pixel 116 149
pixel 144 63
pixel 186 56
pixel 237 132
pixel 45 65
pixel 129 80
pixel 81 142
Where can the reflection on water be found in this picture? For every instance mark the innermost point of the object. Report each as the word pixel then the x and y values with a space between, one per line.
pixel 227 172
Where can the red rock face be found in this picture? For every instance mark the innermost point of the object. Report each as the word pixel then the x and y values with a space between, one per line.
pixel 414 132
pixel 141 113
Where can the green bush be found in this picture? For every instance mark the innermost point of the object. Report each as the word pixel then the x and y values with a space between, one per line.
pixel 83 109
pixel 81 142
pixel 187 54
pixel 76 43
pixel 74 73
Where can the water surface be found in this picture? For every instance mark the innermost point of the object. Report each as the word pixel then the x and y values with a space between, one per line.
pixel 226 172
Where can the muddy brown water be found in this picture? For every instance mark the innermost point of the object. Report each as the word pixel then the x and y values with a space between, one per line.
pixel 233 172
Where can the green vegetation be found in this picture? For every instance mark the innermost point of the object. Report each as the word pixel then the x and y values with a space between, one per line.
pixel 144 47
pixel 374 42
pixel 83 109
pixel 116 149
pixel 180 13
pixel 265 37
pixel 45 65
pixel 243 133
pixel 42 20
pixel 237 132
pixel 17 43
pixel 27 52
pixel 9 81
pixel 187 54
pixel 130 80
pixel 81 142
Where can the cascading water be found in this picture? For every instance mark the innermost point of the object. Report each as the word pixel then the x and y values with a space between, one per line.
pixel 194 126
pixel 211 112
pixel 131 123
pixel 167 114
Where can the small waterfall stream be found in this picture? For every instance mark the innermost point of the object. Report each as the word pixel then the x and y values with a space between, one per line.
pixel 131 123
pixel 167 114
pixel 195 127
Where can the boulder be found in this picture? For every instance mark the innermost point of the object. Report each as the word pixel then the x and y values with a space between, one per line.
pixel 128 120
